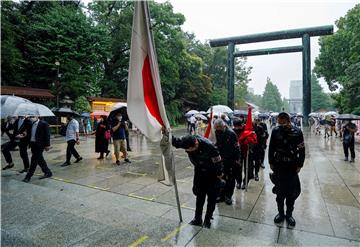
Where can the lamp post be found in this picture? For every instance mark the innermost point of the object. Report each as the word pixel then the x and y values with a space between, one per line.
pixel 57 63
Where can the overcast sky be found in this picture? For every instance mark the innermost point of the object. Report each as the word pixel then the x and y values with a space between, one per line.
pixel 223 18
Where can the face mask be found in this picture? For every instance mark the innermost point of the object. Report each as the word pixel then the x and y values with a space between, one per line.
pixel 119 118
pixel 33 119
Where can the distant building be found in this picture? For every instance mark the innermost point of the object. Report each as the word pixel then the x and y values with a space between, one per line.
pixel 251 90
pixel 296 96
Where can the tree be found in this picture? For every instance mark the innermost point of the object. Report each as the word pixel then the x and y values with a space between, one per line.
pixel 338 61
pixel 271 100
pixel 81 104
pixel 319 99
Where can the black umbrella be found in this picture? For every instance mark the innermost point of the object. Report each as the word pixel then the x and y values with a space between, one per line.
pixel 263 115
pixel 122 110
pixel 348 117
pixel 64 111
pixel 238 113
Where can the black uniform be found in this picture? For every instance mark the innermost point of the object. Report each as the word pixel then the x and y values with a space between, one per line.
pixel 259 148
pixel 208 167
pixel 286 155
pixel 24 127
pixel 349 140
pixel 227 143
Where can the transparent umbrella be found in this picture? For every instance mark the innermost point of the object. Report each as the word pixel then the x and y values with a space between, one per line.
pixel 191 112
pixel 32 109
pixel 218 109
pixel 9 104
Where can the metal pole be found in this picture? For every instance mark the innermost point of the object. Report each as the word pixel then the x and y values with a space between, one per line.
pixel 247 169
pixel 230 75
pixel 177 196
pixel 306 78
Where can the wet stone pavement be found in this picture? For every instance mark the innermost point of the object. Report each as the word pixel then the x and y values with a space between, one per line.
pixel 96 203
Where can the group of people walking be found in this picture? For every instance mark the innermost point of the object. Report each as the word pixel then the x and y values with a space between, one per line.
pixel 33 132
pixel 219 165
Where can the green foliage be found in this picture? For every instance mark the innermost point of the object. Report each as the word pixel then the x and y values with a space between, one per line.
pixel 81 104
pixel 271 99
pixel 319 99
pixel 338 61
pixel 93 51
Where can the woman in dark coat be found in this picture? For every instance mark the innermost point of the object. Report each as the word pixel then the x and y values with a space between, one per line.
pixel 101 143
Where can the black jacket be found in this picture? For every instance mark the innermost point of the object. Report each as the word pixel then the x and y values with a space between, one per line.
pixel 228 145
pixel 24 128
pixel 42 135
pixel 206 159
pixel 286 149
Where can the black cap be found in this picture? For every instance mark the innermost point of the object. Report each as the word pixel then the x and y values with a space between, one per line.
pixel 188 141
pixel 237 122
pixel 284 115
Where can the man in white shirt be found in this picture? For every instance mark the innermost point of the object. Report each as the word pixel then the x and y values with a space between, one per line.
pixel 72 138
pixel 192 124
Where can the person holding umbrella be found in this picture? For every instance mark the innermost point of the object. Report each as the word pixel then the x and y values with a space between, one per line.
pixel 349 130
pixel 119 138
pixel 20 137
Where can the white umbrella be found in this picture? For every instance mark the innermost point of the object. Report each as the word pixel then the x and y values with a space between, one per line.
pixel 191 112
pixel 331 113
pixel 218 109
pixel 9 104
pixel 44 111
pixel 203 112
pixel 32 109
pixel 274 114
pixel 202 117
pixel 118 106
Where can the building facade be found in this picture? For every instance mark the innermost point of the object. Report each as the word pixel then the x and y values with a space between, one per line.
pixel 296 96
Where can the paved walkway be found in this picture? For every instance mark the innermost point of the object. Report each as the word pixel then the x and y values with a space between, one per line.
pixel 95 203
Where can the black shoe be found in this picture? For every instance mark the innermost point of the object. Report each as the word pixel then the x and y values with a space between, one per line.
pixel 243 187
pixel 207 223
pixel 66 164
pixel 262 166
pixel 346 159
pixel 220 199
pixel 290 220
pixel 26 180
pixel 24 170
pixel 47 175
pixel 129 149
pixel 279 218
pixel 256 177
pixel 78 160
pixel 107 153
pixel 352 160
pixel 100 158
pixel 118 162
pixel 228 201
pixel 196 222
pixel 9 166
pixel 127 160
pixel 238 186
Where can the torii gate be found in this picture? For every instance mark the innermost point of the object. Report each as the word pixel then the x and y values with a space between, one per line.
pixel 304 33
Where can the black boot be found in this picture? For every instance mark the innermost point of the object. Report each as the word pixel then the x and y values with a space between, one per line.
pixel 279 218
pixel 196 222
pixel 289 219
pixel 207 221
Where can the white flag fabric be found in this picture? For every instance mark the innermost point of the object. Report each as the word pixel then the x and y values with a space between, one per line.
pixel 144 96
pixel 145 102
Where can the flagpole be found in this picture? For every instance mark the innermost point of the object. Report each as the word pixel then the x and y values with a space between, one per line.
pixel 147 13
pixel 247 169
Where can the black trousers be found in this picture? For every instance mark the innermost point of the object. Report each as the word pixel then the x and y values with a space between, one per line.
pixel 287 189
pixel 23 152
pixel 192 127
pixel 229 178
pixel 351 146
pixel 37 158
pixel 70 150
pixel 201 194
